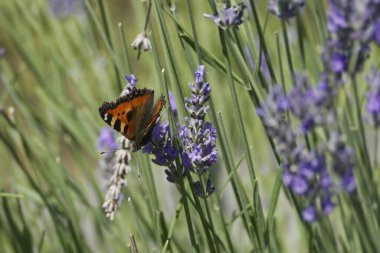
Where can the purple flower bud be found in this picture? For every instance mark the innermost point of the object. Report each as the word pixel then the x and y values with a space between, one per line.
pixel 210 188
pixel 299 185
pixel 339 63
pixel 373 96
pixel 309 214
pixel 327 205
pixel 326 181
pixel 172 102
pixel 349 183
pixel 131 79
pixel 287 178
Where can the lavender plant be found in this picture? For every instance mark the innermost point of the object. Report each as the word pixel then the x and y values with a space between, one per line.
pixel 198 137
pixel 307 171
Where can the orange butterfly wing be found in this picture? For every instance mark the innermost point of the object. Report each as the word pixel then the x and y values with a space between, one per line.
pixel 155 114
pixel 133 115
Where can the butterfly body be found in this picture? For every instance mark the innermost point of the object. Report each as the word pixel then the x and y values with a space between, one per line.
pixel 133 115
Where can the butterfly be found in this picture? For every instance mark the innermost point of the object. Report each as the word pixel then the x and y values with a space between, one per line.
pixel 133 115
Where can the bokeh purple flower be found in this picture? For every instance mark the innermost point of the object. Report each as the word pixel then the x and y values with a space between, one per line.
pixel 107 141
pixel 64 8
pixel 309 214
pixel 230 17
pixel 376 31
pixel 353 26
pixel 373 97
pixel 314 173
pixel 173 104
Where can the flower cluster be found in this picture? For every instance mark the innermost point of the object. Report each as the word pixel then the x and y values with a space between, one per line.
pixel 373 97
pixel 231 16
pixel 309 171
pixel 352 25
pixel 160 145
pixel 285 9
pixel 198 136
pixel 309 105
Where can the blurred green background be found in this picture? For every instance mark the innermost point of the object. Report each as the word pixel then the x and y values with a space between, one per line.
pixel 60 65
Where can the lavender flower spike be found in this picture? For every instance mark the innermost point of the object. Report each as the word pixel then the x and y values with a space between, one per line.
pixel 318 173
pixel 198 137
pixel 232 16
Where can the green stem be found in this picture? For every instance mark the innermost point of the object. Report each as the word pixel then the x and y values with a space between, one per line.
pixel 280 63
pixel 375 149
pixel 238 113
pixel 109 39
pixel 187 212
pixel 262 40
pixel 203 183
pixel 125 48
pixel 361 127
pixel 138 223
pixel 287 48
pixel 198 206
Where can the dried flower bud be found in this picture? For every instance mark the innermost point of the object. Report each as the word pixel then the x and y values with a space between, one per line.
pixel 142 42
